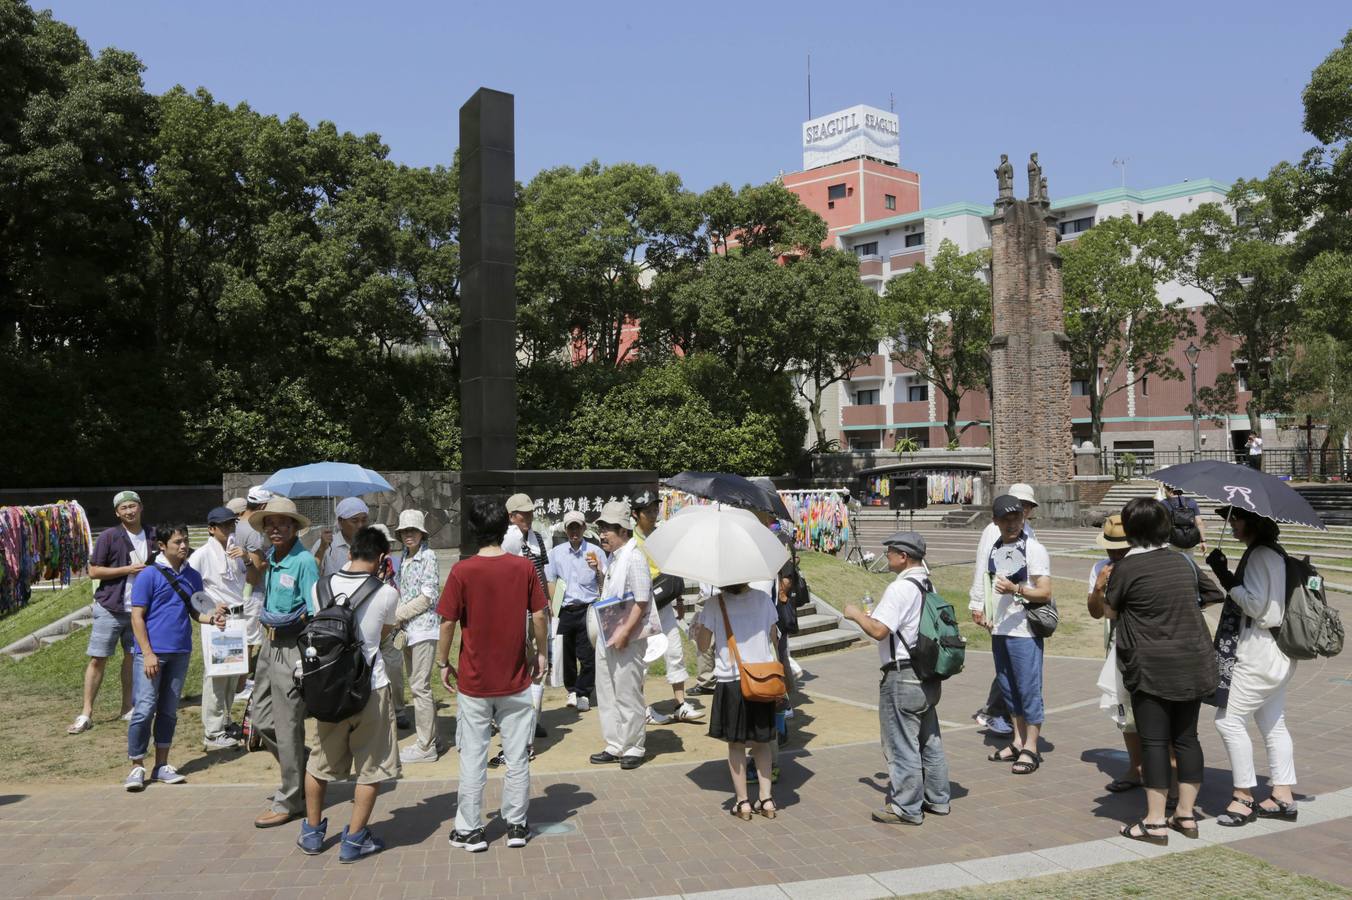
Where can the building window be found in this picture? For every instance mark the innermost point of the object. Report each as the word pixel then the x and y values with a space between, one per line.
pixel 1145 385
pixel 1241 376
pixel 917 393
pixel 1079 387
pixel 866 398
pixel 869 249
pixel 915 240
pixel 865 444
pixel 889 201
pixel 835 192
pixel 1075 226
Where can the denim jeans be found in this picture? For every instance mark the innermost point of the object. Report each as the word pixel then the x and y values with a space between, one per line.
pixel 515 715
pixel 155 699
pixel 908 714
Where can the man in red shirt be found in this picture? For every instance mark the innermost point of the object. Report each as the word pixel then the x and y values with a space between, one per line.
pixel 488 595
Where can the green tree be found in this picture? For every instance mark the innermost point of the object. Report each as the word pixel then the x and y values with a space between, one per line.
pixel 1319 374
pixel 1114 318
pixel 760 217
pixel 941 315
pixel 1244 264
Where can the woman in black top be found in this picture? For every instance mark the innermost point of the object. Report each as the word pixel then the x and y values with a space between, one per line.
pixel 1168 666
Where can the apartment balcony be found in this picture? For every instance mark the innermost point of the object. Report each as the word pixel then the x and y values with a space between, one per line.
pixel 873 414
pixel 915 411
pixel 871 268
pixel 904 261
pixel 874 368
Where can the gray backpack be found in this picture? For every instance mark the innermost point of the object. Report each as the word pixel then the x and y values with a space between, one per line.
pixel 1310 626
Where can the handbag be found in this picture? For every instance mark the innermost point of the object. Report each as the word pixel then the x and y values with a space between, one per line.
pixel 1043 619
pixel 761 682
pixel 666 588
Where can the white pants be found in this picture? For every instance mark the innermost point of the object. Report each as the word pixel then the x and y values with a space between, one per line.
pixel 217 696
pixel 675 657
pixel 515 715
pixel 1267 705
pixel 619 698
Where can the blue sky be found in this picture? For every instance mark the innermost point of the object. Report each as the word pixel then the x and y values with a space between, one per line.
pixel 716 92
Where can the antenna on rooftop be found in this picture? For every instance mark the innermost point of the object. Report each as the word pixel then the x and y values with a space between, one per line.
pixel 809 84
pixel 1122 164
pixel 891 101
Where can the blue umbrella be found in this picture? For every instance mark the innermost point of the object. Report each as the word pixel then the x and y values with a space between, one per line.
pixel 1240 487
pixel 326 479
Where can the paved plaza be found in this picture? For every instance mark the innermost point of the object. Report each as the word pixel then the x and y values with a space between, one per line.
pixel 664 829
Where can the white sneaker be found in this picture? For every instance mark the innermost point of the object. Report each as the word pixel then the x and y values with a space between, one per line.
pixel 572 699
pixel 688 713
pixel 136 781
pixel 656 718
pixel 788 712
pixel 167 774
pixel 795 668
pixel 415 754
pixel 126 716
pixel 220 742
pixel 583 704
pixel 247 693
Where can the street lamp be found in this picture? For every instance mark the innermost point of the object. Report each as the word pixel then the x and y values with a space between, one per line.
pixel 1192 352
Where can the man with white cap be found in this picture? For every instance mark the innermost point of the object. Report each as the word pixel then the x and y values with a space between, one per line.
pixel 523 540
pixel 332 551
pixel 619 647
pixel 419 590
pixel 994 717
pixel 119 555
pixel 908 706
pixel 568 563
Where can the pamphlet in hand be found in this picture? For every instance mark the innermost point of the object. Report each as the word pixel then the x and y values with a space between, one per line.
pixel 225 652
pixel 613 612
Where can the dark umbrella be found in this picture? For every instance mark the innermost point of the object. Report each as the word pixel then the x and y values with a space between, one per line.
pixel 777 507
pixel 1242 488
pixel 734 490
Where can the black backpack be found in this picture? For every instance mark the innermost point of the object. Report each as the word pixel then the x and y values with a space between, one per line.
pixel 1184 533
pixel 335 676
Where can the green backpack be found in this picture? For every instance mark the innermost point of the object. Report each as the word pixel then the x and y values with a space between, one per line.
pixel 940 650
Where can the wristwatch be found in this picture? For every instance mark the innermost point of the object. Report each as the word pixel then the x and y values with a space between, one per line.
pixel 443 665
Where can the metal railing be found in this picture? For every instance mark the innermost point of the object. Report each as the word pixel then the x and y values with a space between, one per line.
pixel 1300 463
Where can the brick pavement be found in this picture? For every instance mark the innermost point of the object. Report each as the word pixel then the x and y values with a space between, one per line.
pixel 662 829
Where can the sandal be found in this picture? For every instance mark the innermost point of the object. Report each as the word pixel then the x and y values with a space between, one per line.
pixel 742 809
pixel 1235 820
pixel 998 755
pixel 1284 811
pixel 768 812
pixel 1022 767
pixel 1140 831
pixel 1188 831
pixel 1122 785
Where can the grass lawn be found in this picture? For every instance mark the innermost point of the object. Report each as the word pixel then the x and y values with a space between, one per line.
pixel 1217 871
pixel 838 583
pixel 44 608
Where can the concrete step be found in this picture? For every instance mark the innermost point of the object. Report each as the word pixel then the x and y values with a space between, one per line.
pixel 822 642
pixel 812 623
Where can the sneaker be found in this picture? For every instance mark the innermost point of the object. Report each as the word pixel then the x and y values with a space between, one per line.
pixel 415 754
pixel 472 841
pixel 572 699
pixel 220 742
pixel 247 693
pixel 788 712
pixel 167 774
pixel 889 816
pixel 136 780
pixel 359 845
pixel 126 716
pixel 656 718
pixel 497 761
pixel 699 690
pixel 999 725
pixel 687 713
pixel 935 809
pixel 583 704
pixel 795 668
pixel 311 840
pixel 517 835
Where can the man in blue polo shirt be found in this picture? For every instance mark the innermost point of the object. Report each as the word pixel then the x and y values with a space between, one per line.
pixel 581 586
pixel 279 713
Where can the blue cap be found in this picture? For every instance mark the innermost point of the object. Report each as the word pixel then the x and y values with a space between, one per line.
pixel 220 515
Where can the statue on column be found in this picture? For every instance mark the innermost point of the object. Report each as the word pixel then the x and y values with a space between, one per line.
pixel 1004 177
pixel 1034 179
pixel 1046 197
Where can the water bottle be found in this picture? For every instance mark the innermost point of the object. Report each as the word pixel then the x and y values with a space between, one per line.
pixel 868 603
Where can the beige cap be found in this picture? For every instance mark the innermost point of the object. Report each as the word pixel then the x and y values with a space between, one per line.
pixel 520 503
pixel 1023 492
pixel 411 518
pixel 573 517
pixel 237 506
pixel 616 512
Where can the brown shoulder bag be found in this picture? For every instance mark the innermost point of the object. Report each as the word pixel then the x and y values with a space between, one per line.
pixel 761 682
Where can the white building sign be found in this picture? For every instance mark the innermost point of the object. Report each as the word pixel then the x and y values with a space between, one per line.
pixel 857 131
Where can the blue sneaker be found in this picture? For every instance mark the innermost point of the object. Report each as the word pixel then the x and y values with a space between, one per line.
pixel 311 840
pixel 355 846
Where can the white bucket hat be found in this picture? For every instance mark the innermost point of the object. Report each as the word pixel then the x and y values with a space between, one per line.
pixel 1023 492
pixel 411 518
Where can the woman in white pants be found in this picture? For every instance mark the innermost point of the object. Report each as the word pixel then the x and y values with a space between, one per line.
pixel 1258 672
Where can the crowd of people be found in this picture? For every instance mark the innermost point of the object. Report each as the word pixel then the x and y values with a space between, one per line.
pixel 1162 663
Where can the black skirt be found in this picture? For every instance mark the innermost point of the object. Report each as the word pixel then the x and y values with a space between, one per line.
pixel 738 720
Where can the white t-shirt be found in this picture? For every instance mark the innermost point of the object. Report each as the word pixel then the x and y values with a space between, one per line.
pixel 1011 618
pixel 899 612
pixel 1094 572
pixel 377 612
pixel 753 614
pixel 989 535
pixel 138 555
pixel 1256 447
pixel 222 577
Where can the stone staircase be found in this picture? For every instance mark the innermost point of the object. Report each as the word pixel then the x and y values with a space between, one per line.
pixel 1333 502
pixel 821 629
pixel 49 634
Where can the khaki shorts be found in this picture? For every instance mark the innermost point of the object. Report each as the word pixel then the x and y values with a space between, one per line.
pixel 367 742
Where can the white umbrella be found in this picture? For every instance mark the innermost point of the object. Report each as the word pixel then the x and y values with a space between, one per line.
pixel 717 545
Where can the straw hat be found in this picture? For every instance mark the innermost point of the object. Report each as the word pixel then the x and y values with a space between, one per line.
pixel 411 518
pixel 278 506
pixel 1114 536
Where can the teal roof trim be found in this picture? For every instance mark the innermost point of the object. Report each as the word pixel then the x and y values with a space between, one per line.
pixel 1098 198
